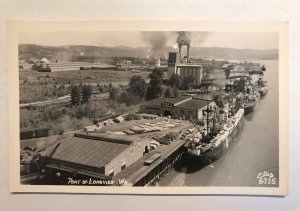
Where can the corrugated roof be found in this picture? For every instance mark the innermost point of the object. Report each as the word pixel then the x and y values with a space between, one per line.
pixel 193 104
pixel 88 151
pixel 189 65
pixel 210 96
pixel 108 137
pixel 173 100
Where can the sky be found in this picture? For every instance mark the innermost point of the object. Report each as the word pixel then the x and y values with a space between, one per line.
pixel 240 40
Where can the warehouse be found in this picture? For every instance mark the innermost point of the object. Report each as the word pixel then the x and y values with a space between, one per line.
pixel 44 65
pixel 182 106
pixel 104 154
pixel 97 155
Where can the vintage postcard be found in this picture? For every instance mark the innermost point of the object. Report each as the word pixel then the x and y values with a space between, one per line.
pixel 148 107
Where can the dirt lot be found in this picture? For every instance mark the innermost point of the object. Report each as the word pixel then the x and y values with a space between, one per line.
pixel 119 127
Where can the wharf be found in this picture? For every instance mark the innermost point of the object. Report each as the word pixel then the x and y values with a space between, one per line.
pixel 139 174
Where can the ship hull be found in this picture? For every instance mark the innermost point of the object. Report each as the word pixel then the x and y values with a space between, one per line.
pixel 251 107
pixel 221 149
pixel 263 92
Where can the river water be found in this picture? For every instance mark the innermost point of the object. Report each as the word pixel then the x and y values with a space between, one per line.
pixel 255 150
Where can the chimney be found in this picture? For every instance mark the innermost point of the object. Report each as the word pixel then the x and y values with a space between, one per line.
pixel 188 54
pixel 179 53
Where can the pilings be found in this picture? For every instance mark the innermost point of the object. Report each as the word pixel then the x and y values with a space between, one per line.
pixel 162 168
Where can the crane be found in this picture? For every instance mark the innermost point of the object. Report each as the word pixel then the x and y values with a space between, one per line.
pixel 38 163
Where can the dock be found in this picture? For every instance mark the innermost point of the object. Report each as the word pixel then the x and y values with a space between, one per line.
pixel 141 174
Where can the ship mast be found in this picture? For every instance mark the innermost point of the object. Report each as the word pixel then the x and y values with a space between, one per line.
pixel 207 110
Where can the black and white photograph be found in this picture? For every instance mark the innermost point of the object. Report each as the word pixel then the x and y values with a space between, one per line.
pixel 160 108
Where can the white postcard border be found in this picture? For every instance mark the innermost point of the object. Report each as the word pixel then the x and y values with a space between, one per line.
pixel 14 27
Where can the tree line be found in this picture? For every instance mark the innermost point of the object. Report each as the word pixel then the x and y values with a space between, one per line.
pixel 82 112
pixel 132 94
pixel 138 90
pixel 81 94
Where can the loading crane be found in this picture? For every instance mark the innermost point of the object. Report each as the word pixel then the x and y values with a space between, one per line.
pixel 38 163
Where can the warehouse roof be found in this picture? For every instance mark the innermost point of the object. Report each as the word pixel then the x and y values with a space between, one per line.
pixel 210 96
pixel 106 137
pixel 88 151
pixel 174 100
pixel 188 65
pixel 194 104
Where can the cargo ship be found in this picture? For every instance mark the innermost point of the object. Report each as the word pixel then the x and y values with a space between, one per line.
pixel 251 101
pixel 246 92
pixel 263 87
pixel 213 149
pixel 214 142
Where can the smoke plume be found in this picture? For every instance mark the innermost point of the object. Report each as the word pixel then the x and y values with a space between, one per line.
pixel 160 40
pixel 195 38
pixel 200 37
pixel 183 39
pixel 157 40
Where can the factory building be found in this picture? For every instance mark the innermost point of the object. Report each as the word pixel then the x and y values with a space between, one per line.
pixel 184 70
pixel 97 155
pixel 183 67
pixel 44 65
pixel 177 107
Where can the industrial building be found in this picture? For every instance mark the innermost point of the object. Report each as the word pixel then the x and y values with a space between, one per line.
pixel 71 66
pixel 177 107
pixel 105 154
pixel 184 69
pixel 44 65
pixel 97 155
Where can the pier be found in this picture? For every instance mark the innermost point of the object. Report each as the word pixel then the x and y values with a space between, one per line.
pixel 141 174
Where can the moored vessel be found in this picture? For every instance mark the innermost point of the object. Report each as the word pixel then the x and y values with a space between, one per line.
pixel 220 128
pixel 250 102
pixel 213 149
pixel 262 87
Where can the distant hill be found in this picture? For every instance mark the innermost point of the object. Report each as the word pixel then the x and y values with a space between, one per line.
pixel 70 53
pixel 235 54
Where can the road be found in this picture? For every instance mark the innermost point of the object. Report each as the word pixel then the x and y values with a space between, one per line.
pixel 66 97
pixel 63 99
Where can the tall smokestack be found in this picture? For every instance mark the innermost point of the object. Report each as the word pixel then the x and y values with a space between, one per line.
pixel 188 54
pixel 179 53
pixel 183 40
